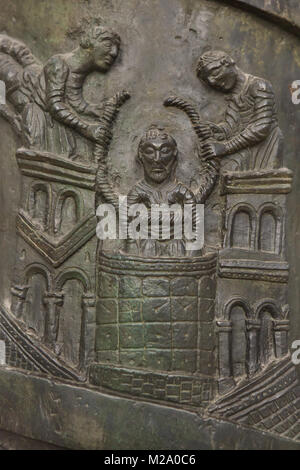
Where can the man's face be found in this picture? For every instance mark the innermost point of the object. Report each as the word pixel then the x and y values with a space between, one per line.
pixel 221 77
pixel 158 157
pixel 105 53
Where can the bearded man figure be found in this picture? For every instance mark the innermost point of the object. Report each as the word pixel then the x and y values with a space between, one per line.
pixel 158 190
pixel 157 153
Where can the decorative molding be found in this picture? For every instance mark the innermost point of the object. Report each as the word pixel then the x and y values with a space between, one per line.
pixel 272 271
pixel 56 251
pixel 257 182
pixel 50 167
pixel 119 264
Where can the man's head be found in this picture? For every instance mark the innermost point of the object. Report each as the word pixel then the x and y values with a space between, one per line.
pixel 217 69
pixel 103 45
pixel 158 154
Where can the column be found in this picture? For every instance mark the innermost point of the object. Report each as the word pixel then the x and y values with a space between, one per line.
pixel 226 381
pixel 53 301
pixel 281 329
pixel 88 330
pixel 253 327
pixel 19 294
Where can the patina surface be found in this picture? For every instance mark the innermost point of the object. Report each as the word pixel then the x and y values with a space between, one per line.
pixel 166 102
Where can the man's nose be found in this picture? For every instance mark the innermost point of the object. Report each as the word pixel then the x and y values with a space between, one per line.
pixel 157 156
pixel 114 51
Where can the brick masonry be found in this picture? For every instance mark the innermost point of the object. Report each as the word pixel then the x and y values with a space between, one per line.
pixel 183 389
pixel 159 323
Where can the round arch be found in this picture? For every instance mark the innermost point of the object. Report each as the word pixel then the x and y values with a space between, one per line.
pixel 71 274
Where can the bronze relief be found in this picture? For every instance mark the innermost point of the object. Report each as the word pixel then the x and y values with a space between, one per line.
pixel 204 330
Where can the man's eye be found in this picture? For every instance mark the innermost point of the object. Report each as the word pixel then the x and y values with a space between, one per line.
pixel 107 44
pixel 215 74
pixel 165 149
pixel 148 151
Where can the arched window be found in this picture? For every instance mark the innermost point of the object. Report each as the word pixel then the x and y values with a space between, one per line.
pixel 241 230
pixel 267 232
pixel 38 280
pixel 68 211
pixel 237 311
pixel 39 204
pixel 69 332
pixel 74 283
pixel 266 313
pixel 266 338
pixel 270 229
pixel 238 341
pixel 242 227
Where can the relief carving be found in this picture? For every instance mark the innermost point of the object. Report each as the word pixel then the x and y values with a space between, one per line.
pixel 250 130
pixel 149 318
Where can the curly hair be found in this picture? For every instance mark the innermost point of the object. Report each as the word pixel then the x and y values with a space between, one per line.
pixel 155 131
pixel 96 33
pixel 152 133
pixel 210 57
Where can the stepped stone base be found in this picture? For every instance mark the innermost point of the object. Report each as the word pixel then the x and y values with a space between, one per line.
pixel 74 417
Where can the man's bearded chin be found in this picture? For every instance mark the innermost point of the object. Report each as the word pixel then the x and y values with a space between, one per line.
pixel 159 177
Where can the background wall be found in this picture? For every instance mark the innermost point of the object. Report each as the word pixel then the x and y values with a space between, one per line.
pixel 161 42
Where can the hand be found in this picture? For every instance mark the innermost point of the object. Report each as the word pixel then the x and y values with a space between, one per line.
pixel 99 134
pixel 122 96
pixel 94 110
pixel 213 150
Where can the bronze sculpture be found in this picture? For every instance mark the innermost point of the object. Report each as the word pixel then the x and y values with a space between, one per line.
pixel 48 99
pixel 204 331
pixel 251 123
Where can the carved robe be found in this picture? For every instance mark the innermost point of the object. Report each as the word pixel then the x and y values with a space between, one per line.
pixel 251 127
pixel 171 193
pixel 51 116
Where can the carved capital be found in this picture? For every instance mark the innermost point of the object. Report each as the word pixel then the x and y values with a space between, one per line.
pixel 224 326
pixel 88 300
pixel 252 324
pixel 281 325
pixel 54 298
pixel 19 291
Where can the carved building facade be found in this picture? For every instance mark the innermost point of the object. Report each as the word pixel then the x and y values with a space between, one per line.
pixel 204 331
pixel 52 290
